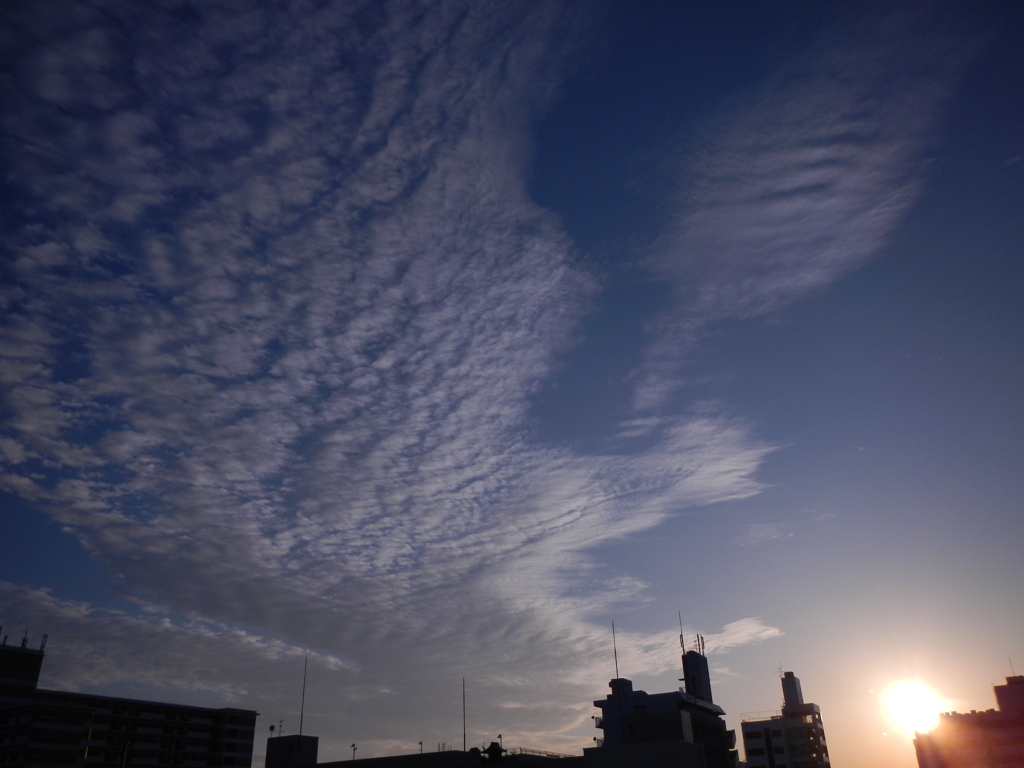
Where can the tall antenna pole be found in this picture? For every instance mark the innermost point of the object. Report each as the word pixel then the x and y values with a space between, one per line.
pixel 615 651
pixel 682 644
pixel 463 714
pixel 302 709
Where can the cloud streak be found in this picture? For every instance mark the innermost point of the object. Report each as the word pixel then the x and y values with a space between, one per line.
pixel 277 306
pixel 802 183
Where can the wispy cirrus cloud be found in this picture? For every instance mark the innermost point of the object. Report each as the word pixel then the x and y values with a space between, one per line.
pixel 277 305
pixel 106 649
pixel 737 633
pixel 753 534
pixel 653 653
pixel 802 183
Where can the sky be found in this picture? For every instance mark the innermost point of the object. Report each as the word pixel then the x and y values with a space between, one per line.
pixel 425 340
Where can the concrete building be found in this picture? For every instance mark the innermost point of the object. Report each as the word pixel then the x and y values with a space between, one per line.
pixel 681 729
pixel 57 728
pixel 795 738
pixel 989 739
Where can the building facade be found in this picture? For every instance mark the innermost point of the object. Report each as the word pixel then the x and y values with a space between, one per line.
pixel 57 728
pixel 795 738
pixel 683 728
pixel 990 739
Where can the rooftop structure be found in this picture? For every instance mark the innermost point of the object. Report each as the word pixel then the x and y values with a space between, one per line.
pixel 989 739
pixel 795 738
pixel 683 728
pixel 291 751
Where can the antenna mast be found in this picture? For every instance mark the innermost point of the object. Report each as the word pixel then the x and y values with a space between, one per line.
pixel 682 644
pixel 615 651
pixel 463 714
pixel 302 709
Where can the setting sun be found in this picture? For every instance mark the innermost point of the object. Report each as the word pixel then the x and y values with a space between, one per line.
pixel 913 706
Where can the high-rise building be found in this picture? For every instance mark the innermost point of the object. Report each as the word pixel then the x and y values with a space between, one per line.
pixel 42 728
pixel 989 739
pixel 683 728
pixel 795 738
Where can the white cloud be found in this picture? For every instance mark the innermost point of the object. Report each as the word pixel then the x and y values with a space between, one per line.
pixel 96 648
pixel 216 664
pixel 801 184
pixel 753 534
pixel 283 306
pixel 737 633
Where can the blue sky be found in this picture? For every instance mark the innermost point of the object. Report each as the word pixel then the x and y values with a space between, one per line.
pixel 430 338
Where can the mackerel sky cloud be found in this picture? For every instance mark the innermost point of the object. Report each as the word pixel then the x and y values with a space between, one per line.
pixel 281 306
pixel 278 326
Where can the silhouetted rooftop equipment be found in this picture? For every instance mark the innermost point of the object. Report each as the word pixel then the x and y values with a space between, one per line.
pixel 615 651
pixel 302 706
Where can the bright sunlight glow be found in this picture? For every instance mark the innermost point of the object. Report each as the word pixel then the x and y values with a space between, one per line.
pixel 913 706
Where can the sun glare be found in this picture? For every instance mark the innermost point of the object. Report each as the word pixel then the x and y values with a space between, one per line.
pixel 913 706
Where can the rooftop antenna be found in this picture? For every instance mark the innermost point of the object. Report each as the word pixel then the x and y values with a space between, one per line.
pixel 615 651
pixel 42 645
pixel 302 708
pixel 463 714
pixel 682 644
pixel 1011 666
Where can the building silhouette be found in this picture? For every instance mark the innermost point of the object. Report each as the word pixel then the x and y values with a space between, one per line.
pixel 990 739
pixel 294 752
pixel 682 729
pixel 43 728
pixel 793 739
